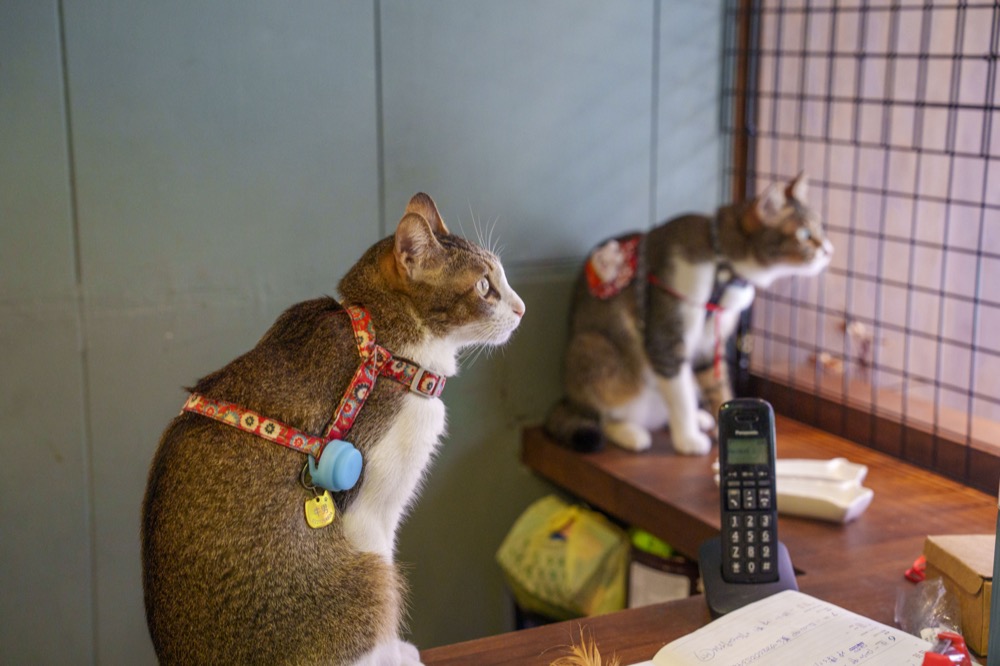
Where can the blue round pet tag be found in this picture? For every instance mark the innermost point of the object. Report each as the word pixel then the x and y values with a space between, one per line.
pixel 339 466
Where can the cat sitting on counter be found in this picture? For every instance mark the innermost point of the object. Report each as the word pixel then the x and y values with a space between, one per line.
pixel 651 314
pixel 272 504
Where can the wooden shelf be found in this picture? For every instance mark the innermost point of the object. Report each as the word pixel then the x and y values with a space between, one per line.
pixel 858 566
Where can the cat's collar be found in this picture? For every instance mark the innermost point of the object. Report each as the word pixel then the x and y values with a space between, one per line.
pixel 417 379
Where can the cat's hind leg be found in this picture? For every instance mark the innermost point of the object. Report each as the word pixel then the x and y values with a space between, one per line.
pixel 630 425
pixel 602 375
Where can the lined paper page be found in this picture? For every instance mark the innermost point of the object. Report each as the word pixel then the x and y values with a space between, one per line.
pixel 794 628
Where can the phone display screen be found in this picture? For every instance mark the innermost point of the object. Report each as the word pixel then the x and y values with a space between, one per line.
pixel 747 451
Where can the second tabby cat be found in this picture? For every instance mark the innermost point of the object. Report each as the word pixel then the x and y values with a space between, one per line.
pixel 651 313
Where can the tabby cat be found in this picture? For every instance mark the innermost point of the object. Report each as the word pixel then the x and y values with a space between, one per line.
pixel 241 562
pixel 651 313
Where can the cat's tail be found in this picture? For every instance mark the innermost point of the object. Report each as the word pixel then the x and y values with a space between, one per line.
pixel 576 426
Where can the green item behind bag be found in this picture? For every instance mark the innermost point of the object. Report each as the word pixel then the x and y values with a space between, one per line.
pixel 648 543
pixel 565 561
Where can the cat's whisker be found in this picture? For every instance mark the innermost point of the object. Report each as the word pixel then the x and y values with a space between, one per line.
pixel 492 242
pixel 461 227
pixel 477 227
pixel 468 357
pixel 472 353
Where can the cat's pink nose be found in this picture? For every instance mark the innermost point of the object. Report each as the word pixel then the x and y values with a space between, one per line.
pixel 518 308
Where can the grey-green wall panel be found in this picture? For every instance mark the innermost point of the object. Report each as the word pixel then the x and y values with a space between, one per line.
pixel 477 486
pixel 225 147
pixel 163 350
pixel 689 135
pixel 536 113
pixel 214 163
pixel 537 116
pixel 36 231
pixel 45 541
pixel 226 160
pixel 45 545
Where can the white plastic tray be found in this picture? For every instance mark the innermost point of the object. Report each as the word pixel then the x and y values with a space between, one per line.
pixel 838 502
pixel 824 489
pixel 835 469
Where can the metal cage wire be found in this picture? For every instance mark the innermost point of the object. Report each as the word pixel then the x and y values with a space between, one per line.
pixel 892 109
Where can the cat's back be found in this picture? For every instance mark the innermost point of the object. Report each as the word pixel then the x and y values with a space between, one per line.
pixel 225 542
pixel 291 375
pixel 687 236
pixel 614 276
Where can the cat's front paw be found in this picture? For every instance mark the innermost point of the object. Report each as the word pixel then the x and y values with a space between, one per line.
pixel 396 652
pixel 409 655
pixel 706 422
pixel 628 435
pixel 691 443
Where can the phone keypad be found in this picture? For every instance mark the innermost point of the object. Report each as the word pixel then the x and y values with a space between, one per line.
pixel 749 533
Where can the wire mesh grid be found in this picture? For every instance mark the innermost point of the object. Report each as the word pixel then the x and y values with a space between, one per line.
pixel 892 110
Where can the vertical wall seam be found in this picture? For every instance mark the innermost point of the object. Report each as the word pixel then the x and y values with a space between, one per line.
pixel 379 122
pixel 82 340
pixel 654 124
pixel 70 156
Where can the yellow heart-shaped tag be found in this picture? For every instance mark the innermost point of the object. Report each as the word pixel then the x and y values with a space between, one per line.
pixel 320 510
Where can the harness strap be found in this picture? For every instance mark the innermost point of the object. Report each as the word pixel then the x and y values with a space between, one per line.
pixel 376 360
pixel 409 374
pixel 712 307
pixel 252 422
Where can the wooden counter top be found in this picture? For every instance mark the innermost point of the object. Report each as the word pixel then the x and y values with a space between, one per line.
pixel 858 566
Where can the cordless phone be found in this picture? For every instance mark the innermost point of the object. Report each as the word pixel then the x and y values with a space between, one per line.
pixel 749 537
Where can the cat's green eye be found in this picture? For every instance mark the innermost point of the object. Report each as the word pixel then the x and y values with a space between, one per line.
pixel 483 287
pixel 802 234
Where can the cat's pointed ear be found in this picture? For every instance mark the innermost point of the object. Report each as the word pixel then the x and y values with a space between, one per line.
pixel 424 206
pixel 765 209
pixel 798 188
pixel 414 245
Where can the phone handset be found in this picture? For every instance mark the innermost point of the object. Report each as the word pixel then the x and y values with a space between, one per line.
pixel 746 562
pixel 749 492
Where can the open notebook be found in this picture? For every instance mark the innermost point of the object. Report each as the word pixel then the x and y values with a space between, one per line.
pixel 793 628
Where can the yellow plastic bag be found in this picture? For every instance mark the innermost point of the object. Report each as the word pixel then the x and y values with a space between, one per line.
pixel 565 561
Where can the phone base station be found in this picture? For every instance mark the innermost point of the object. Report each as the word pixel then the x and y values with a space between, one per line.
pixel 723 596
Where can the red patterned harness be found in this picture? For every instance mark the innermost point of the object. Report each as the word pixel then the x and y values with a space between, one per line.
pixel 375 360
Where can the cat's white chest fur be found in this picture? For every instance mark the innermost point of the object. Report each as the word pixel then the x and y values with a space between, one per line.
pixel 695 283
pixel 735 299
pixel 395 465
pixel 394 468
